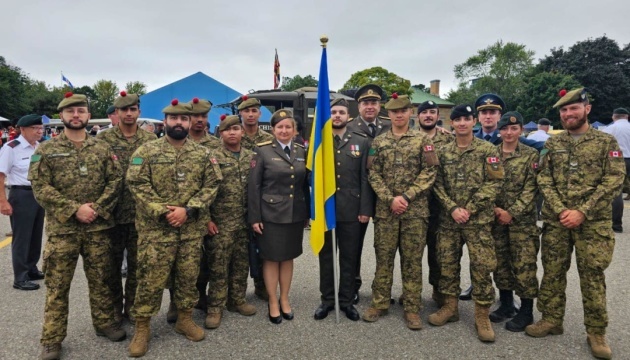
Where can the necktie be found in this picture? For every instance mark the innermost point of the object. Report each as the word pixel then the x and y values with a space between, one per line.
pixel 487 137
pixel 372 129
pixel 287 151
pixel 337 140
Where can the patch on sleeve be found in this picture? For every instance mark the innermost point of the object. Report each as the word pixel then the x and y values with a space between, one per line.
pixel 535 165
pixel 114 157
pixel 214 160
pixel 137 161
pixel 430 156
pixel 252 163
pixel 493 160
pixel 372 151
pixel 615 154
pixel 35 158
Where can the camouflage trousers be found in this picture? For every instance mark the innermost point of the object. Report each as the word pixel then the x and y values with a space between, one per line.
pixel 228 261
pixel 594 244
pixel 483 261
pixel 61 254
pixel 516 247
pixel 408 236
pixel 124 236
pixel 156 262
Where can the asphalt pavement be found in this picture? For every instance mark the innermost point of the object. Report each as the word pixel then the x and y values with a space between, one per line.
pixel 239 337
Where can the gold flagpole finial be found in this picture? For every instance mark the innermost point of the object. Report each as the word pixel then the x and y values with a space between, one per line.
pixel 324 40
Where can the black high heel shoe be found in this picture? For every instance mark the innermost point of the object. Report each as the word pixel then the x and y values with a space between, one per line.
pixel 288 316
pixel 274 319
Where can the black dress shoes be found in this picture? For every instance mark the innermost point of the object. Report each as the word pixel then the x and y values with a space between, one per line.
pixel 287 316
pixel 351 312
pixel 274 319
pixel 466 294
pixel 322 311
pixel 25 285
pixel 36 275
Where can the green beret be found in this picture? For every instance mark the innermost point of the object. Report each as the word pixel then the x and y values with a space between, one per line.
pixel 369 92
pixel 29 120
pixel 621 111
pixel 398 102
pixel 573 96
pixel 110 110
pixel 280 115
pixel 510 118
pixel 247 102
pixel 71 99
pixel 126 100
pixel 229 121
pixel 177 108
pixel 200 106
pixel 339 102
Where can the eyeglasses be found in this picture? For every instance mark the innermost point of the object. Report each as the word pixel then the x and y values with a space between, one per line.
pixel 36 128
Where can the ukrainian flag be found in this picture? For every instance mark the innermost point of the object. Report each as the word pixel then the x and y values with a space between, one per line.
pixel 321 162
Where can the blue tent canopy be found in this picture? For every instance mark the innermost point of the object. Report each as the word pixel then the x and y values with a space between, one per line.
pixel 197 85
pixel 597 125
pixel 530 126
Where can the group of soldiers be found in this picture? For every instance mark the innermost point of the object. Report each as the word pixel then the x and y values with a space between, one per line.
pixel 158 198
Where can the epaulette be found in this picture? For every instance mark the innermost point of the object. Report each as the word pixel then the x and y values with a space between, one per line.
pixel 300 145
pixel 264 143
pixel 13 143
pixel 360 134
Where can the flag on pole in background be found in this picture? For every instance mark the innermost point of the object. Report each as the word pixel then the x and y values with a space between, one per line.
pixel 276 72
pixel 65 80
pixel 321 162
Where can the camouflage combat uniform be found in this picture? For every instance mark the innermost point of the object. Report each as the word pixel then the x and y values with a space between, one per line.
pixel 124 235
pixel 159 175
pixel 209 141
pixel 469 179
pixel 585 175
pixel 260 137
pixel 63 178
pixel 227 251
pixel 516 245
pixel 404 166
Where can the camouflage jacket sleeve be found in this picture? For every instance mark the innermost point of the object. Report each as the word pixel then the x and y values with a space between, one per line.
pixel 113 180
pixel 367 195
pixel 47 196
pixel 383 193
pixel 139 182
pixel 254 188
pixel 610 184
pixel 426 178
pixel 486 194
pixel 440 192
pixel 546 183
pixel 211 180
pixel 530 189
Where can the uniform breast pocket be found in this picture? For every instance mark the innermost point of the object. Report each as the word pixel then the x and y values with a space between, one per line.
pixel 163 170
pixel 273 199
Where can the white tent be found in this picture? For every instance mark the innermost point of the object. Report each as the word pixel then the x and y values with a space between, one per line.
pixel 4 119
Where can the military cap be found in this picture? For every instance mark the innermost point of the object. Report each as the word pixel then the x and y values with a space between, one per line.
pixel 247 102
pixel 229 121
pixel 126 100
pixel 621 111
pixel 510 118
pixel 489 101
pixel 398 102
pixel 280 115
pixel 110 110
pixel 200 106
pixel 71 99
pixel 29 120
pixel 339 102
pixel 369 92
pixel 177 108
pixel 427 105
pixel 544 121
pixel 571 97
pixel 461 110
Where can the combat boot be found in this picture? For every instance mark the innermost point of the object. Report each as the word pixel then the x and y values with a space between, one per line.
pixel 543 328
pixel 599 346
pixel 171 315
pixel 506 310
pixel 524 317
pixel 213 318
pixel 140 343
pixel 51 352
pixel 244 309
pixel 449 312
pixel 437 297
pixel 413 321
pixel 112 332
pixel 372 314
pixel 187 327
pixel 485 332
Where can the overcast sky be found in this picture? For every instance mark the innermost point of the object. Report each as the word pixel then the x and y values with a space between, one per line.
pixel 158 42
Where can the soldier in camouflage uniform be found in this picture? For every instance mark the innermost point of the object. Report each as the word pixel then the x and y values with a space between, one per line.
pixel 403 167
pixel 226 248
pixel 581 171
pixel 249 111
pixel 469 179
pixel 77 180
pixel 515 233
pixel 174 180
pixel 124 139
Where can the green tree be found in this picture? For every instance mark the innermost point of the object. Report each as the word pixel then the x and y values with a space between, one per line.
pixel 422 87
pixel 13 85
pixel 42 99
pixel 136 87
pixel 296 82
pixel 105 91
pixel 389 81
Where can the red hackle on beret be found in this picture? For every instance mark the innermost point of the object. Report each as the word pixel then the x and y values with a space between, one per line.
pixel 68 94
pixel 395 96
pixel 562 92
pixel 195 100
pixel 244 97
pixel 223 117
pixel 174 102
pixel 123 93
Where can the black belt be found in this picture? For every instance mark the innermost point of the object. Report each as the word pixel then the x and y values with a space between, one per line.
pixel 22 187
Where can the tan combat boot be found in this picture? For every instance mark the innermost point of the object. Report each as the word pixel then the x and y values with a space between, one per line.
pixel 437 297
pixel 543 328
pixel 213 318
pixel 171 315
pixel 599 346
pixel 51 352
pixel 413 321
pixel 372 314
pixel 140 343
pixel 485 332
pixel 449 312
pixel 187 327
pixel 244 309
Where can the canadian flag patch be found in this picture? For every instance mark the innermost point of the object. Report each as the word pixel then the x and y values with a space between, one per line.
pixel 428 148
pixel 114 157
pixel 535 166
pixel 493 160
pixel 615 154
pixel 214 161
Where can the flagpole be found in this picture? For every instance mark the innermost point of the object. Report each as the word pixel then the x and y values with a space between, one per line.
pixel 335 274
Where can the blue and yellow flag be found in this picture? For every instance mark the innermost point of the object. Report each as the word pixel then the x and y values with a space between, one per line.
pixel 321 162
